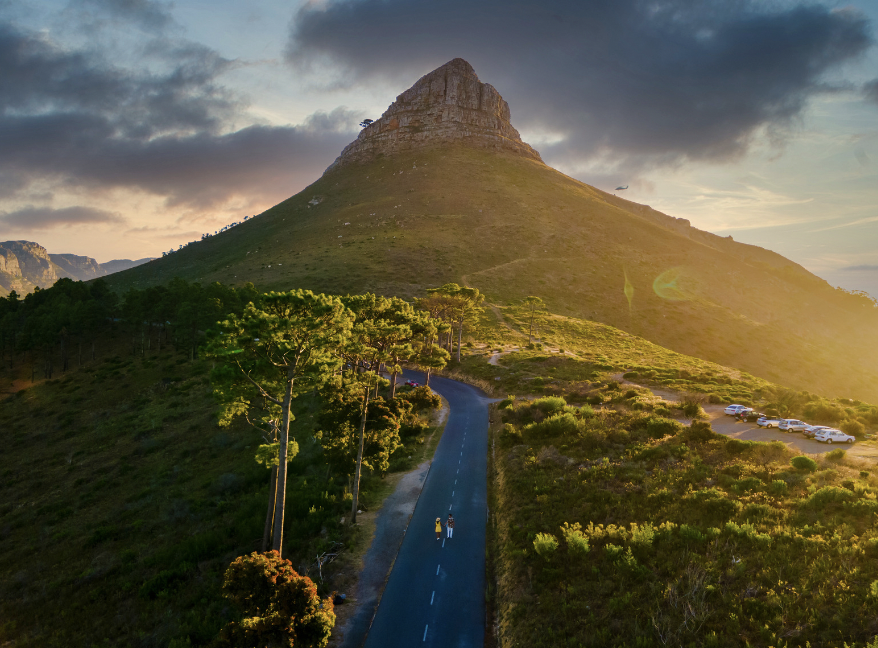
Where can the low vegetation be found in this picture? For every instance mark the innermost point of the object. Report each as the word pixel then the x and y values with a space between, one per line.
pixel 625 528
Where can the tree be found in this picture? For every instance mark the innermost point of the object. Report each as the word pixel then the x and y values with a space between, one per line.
pixel 535 307
pixel 274 353
pixel 279 607
pixel 366 122
pixel 455 304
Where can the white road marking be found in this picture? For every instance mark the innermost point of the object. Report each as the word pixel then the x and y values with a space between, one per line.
pixel 425 632
pixel 437 570
pixel 452 493
pixel 443 545
pixel 455 482
pixel 432 597
pixel 449 507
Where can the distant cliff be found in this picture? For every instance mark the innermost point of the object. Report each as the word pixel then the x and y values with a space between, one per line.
pixel 24 265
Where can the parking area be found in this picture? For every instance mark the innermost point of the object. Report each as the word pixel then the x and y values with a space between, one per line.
pixel 730 426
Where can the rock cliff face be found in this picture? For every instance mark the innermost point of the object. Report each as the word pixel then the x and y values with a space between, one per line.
pixel 449 104
pixel 24 265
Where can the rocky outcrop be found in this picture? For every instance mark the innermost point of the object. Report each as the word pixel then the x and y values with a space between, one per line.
pixel 25 265
pixel 449 104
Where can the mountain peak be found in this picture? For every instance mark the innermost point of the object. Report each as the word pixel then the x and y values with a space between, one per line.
pixel 449 104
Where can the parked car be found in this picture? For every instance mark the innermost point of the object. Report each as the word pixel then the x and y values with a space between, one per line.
pixel 769 421
pixel 732 410
pixel 792 425
pixel 749 416
pixel 811 430
pixel 831 435
pixel 412 383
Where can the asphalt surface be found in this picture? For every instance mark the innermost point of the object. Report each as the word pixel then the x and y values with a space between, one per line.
pixel 435 595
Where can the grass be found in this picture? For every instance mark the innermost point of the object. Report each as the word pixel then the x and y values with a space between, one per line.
pixel 122 503
pixel 513 227
pixel 617 530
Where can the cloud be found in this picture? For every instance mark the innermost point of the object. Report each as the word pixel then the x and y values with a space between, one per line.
pixel 77 121
pixel 859 221
pixel 143 13
pixel 636 82
pixel 47 218
pixel 861 268
pixel 870 91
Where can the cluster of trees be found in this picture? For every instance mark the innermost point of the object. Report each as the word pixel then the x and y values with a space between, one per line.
pixel 293 343
pixel 67 322
pixel 453 306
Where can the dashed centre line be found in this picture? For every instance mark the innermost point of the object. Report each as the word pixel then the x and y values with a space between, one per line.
pixel 432 597
pixel 425 632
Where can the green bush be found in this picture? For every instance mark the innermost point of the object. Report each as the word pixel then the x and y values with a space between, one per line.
pixel 577 542
pixel 824 411
pixel 835 455
pixel 510 433
pixel 549 404
pixel 804 463
pixel 700 431
pixel 715 399
pixel 829 495
pixel 545 544
pixel 736 446
pixel 558 425
pixel 657 427
pixel 778 487
pixel 853 427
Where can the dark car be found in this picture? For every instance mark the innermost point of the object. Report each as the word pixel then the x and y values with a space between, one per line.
pixel 749 417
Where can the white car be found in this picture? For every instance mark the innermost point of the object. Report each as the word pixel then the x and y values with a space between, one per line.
pixel 769 421
pixel 734 410
pixel 792 425
pixel 831 435
pixel 811 430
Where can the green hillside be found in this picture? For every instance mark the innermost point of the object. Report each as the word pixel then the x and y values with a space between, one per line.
pixel 512 227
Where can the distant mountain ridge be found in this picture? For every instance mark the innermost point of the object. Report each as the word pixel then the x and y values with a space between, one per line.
pixel 24 265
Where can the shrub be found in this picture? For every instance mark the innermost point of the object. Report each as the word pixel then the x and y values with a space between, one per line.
pixel 576 541
pixel 835 455
pixel 549 404
pixel 853 427
pixel 586 411
pixel 824 411
pixel 804 463
pixel 829 495
pixel 690 533
pixel 715 399
pixel 700 431
pixel 747 484
pixel 643 534
pixel 736 446
pixel 558 425
pixel 545 544
pixel 631 375
pixel 778 487
pixel 510 433
pixel 631 393
pixel 507 402
pixel 657 427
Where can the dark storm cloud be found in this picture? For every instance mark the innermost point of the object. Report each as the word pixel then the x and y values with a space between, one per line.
pixel 73 118
pixel 47 218
pixel 647 81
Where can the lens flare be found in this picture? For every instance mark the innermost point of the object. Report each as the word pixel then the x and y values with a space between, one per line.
pixel 666 285
pixel 629 291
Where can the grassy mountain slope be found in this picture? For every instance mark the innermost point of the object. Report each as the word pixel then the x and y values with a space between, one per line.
pixel 513 227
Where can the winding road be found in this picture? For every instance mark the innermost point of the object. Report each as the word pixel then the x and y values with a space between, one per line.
pixel 435 595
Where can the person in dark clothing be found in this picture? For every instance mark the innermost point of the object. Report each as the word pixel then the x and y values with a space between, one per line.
pixel 449 526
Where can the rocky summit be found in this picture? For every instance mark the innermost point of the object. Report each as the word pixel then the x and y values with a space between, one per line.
pixel 449 104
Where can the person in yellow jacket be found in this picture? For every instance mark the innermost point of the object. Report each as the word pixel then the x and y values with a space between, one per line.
pixel 438 528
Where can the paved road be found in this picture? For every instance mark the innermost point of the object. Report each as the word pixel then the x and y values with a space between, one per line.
pixel 435 595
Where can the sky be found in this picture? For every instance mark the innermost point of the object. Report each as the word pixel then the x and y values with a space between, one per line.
pixel 129 127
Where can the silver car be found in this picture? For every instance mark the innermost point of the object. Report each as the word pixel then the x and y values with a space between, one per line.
pixel 831 435
pixel 792 425
pixel 769 421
